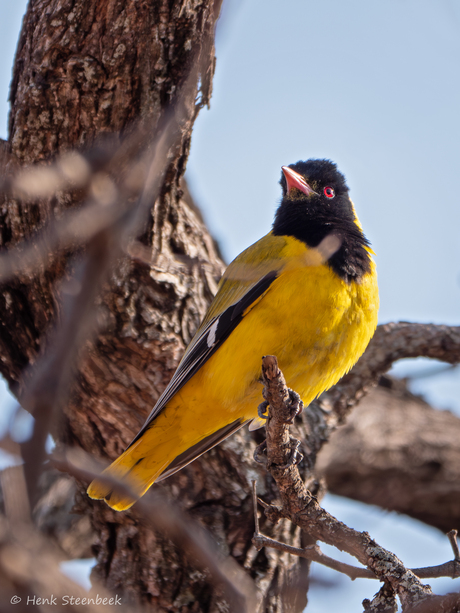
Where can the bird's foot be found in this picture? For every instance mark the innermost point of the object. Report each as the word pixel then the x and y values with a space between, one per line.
pixel 262 410
pixel 296 406
pixel 296 457
pixel 260 453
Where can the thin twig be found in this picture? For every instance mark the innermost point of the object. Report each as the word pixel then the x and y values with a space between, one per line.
pixel 314 554
pixel 254 505
pixel 449 569
pixel 452 536
pixel 109 201
pixel 49 386
pixel 74 229
pixel 262 503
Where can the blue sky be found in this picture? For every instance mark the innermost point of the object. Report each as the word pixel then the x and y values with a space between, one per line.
pixel 372 85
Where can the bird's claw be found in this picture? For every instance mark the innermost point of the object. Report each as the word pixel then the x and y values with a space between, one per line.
pixel 296 407
pixel 296 457
pixel 262 410
pixel 259 453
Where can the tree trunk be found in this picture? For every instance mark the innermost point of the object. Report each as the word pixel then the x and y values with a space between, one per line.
pixel 83 69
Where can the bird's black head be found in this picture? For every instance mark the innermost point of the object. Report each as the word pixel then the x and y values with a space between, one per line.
pixel 315 205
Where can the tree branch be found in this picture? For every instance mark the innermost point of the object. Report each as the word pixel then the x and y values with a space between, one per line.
pixel 303 510
pixel 391 342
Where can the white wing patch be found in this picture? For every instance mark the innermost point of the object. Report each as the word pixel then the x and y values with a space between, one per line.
pixel 212 334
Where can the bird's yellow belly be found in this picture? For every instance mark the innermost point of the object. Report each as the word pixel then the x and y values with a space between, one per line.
pixel 326 333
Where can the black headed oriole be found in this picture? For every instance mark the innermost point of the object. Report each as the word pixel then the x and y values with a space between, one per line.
pixel 306 292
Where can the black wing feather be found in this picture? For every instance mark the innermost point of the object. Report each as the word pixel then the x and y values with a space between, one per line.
pixel 210 339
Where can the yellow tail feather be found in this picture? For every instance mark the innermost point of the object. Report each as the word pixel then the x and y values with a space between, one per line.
pixel 133 470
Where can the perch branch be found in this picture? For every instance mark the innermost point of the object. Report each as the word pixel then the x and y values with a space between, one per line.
pixel 314 554
pixel 304 511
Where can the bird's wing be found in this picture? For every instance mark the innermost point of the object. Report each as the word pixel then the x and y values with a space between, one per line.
pixel 247 278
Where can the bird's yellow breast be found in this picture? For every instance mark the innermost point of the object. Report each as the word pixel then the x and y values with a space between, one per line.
pixel 314 322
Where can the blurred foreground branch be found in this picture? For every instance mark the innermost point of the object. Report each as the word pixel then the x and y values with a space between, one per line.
pixel 161 514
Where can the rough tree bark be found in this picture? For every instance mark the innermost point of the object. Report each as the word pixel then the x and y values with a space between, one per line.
pixel 83 69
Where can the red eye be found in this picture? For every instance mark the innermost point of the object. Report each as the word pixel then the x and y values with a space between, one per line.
pixel 329 192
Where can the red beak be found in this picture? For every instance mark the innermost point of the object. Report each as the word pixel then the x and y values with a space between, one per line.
pixel 293 179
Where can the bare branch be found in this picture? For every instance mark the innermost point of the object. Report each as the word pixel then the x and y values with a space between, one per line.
pixel 51 381
pixel 449 569
pixel 314 554
pixel 391 342
pixel 452 536
pixel 112 172
pixel 303 510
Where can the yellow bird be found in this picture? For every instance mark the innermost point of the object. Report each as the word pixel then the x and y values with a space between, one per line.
pixel 306 292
